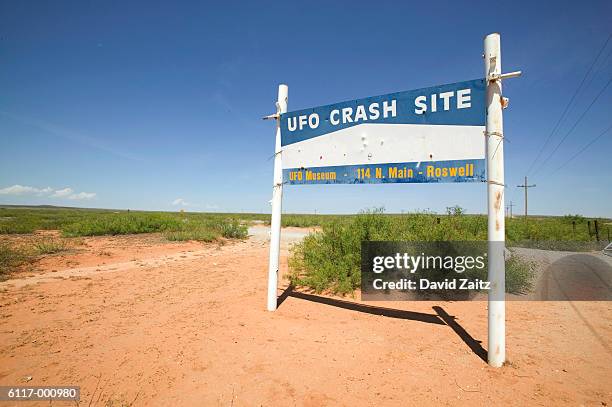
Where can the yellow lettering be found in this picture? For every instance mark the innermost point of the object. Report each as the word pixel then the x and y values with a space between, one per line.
pixel 320 176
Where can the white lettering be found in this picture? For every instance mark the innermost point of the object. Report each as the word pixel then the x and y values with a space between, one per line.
pixel 374 113
pixel 360 114
pixel 302 121
pixel 332 120
pixel 377 266
pixel 290 126
pixel 313 121
pixel 346 115
pixel 446 96
pixel 464 99
pixel 421 106
pixel 389 109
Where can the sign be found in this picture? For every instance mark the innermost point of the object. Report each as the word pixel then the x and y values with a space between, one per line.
pixel 432 134
pixel 436 134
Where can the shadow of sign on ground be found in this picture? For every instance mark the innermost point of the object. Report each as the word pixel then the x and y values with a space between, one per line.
pixel 441 317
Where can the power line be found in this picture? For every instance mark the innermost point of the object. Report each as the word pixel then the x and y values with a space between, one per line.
pixel 575 124
pixel 589 144
pixel 603 65
pixel 554 130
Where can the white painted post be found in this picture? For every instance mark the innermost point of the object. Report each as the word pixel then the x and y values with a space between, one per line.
pixel 277 202
pixel 495 198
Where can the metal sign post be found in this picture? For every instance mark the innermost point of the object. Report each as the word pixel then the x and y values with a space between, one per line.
pixel 495 198
pixel 277 201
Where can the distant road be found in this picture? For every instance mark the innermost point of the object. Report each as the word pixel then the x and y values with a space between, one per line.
pixel 571 276
pixel 289 235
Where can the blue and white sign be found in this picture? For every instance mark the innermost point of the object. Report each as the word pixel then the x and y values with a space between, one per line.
pixel 426 135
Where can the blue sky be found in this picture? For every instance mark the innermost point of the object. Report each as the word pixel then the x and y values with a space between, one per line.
pixel 158 105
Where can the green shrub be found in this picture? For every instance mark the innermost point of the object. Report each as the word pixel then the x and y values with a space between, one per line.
pixel 519 274
pixel 233 229
pixel 330 260
pixel 10 258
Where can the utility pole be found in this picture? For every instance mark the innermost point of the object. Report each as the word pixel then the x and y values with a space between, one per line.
pixel 510 206
pixel 526 186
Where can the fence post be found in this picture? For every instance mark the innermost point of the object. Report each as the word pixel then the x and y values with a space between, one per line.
pixel 277 202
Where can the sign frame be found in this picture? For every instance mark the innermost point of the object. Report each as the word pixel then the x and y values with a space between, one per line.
pixel 495 103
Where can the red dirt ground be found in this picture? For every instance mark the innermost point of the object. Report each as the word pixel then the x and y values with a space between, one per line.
pixel 138 321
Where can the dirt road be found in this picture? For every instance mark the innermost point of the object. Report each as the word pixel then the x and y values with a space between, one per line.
pixel 569 276
pixel 185 324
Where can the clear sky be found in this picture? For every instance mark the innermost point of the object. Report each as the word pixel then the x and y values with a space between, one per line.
pixel 158 105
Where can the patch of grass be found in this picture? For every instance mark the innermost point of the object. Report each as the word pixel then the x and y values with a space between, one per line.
pixel 122 224
pixel 207 229
pixel 176 226
pixel 86 222
pixel 306 221
pixel 49 246
pixel 455 224
pixel 201 235
pixel 11 258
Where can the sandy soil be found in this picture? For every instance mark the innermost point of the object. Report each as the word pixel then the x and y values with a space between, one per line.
pixel 164 324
